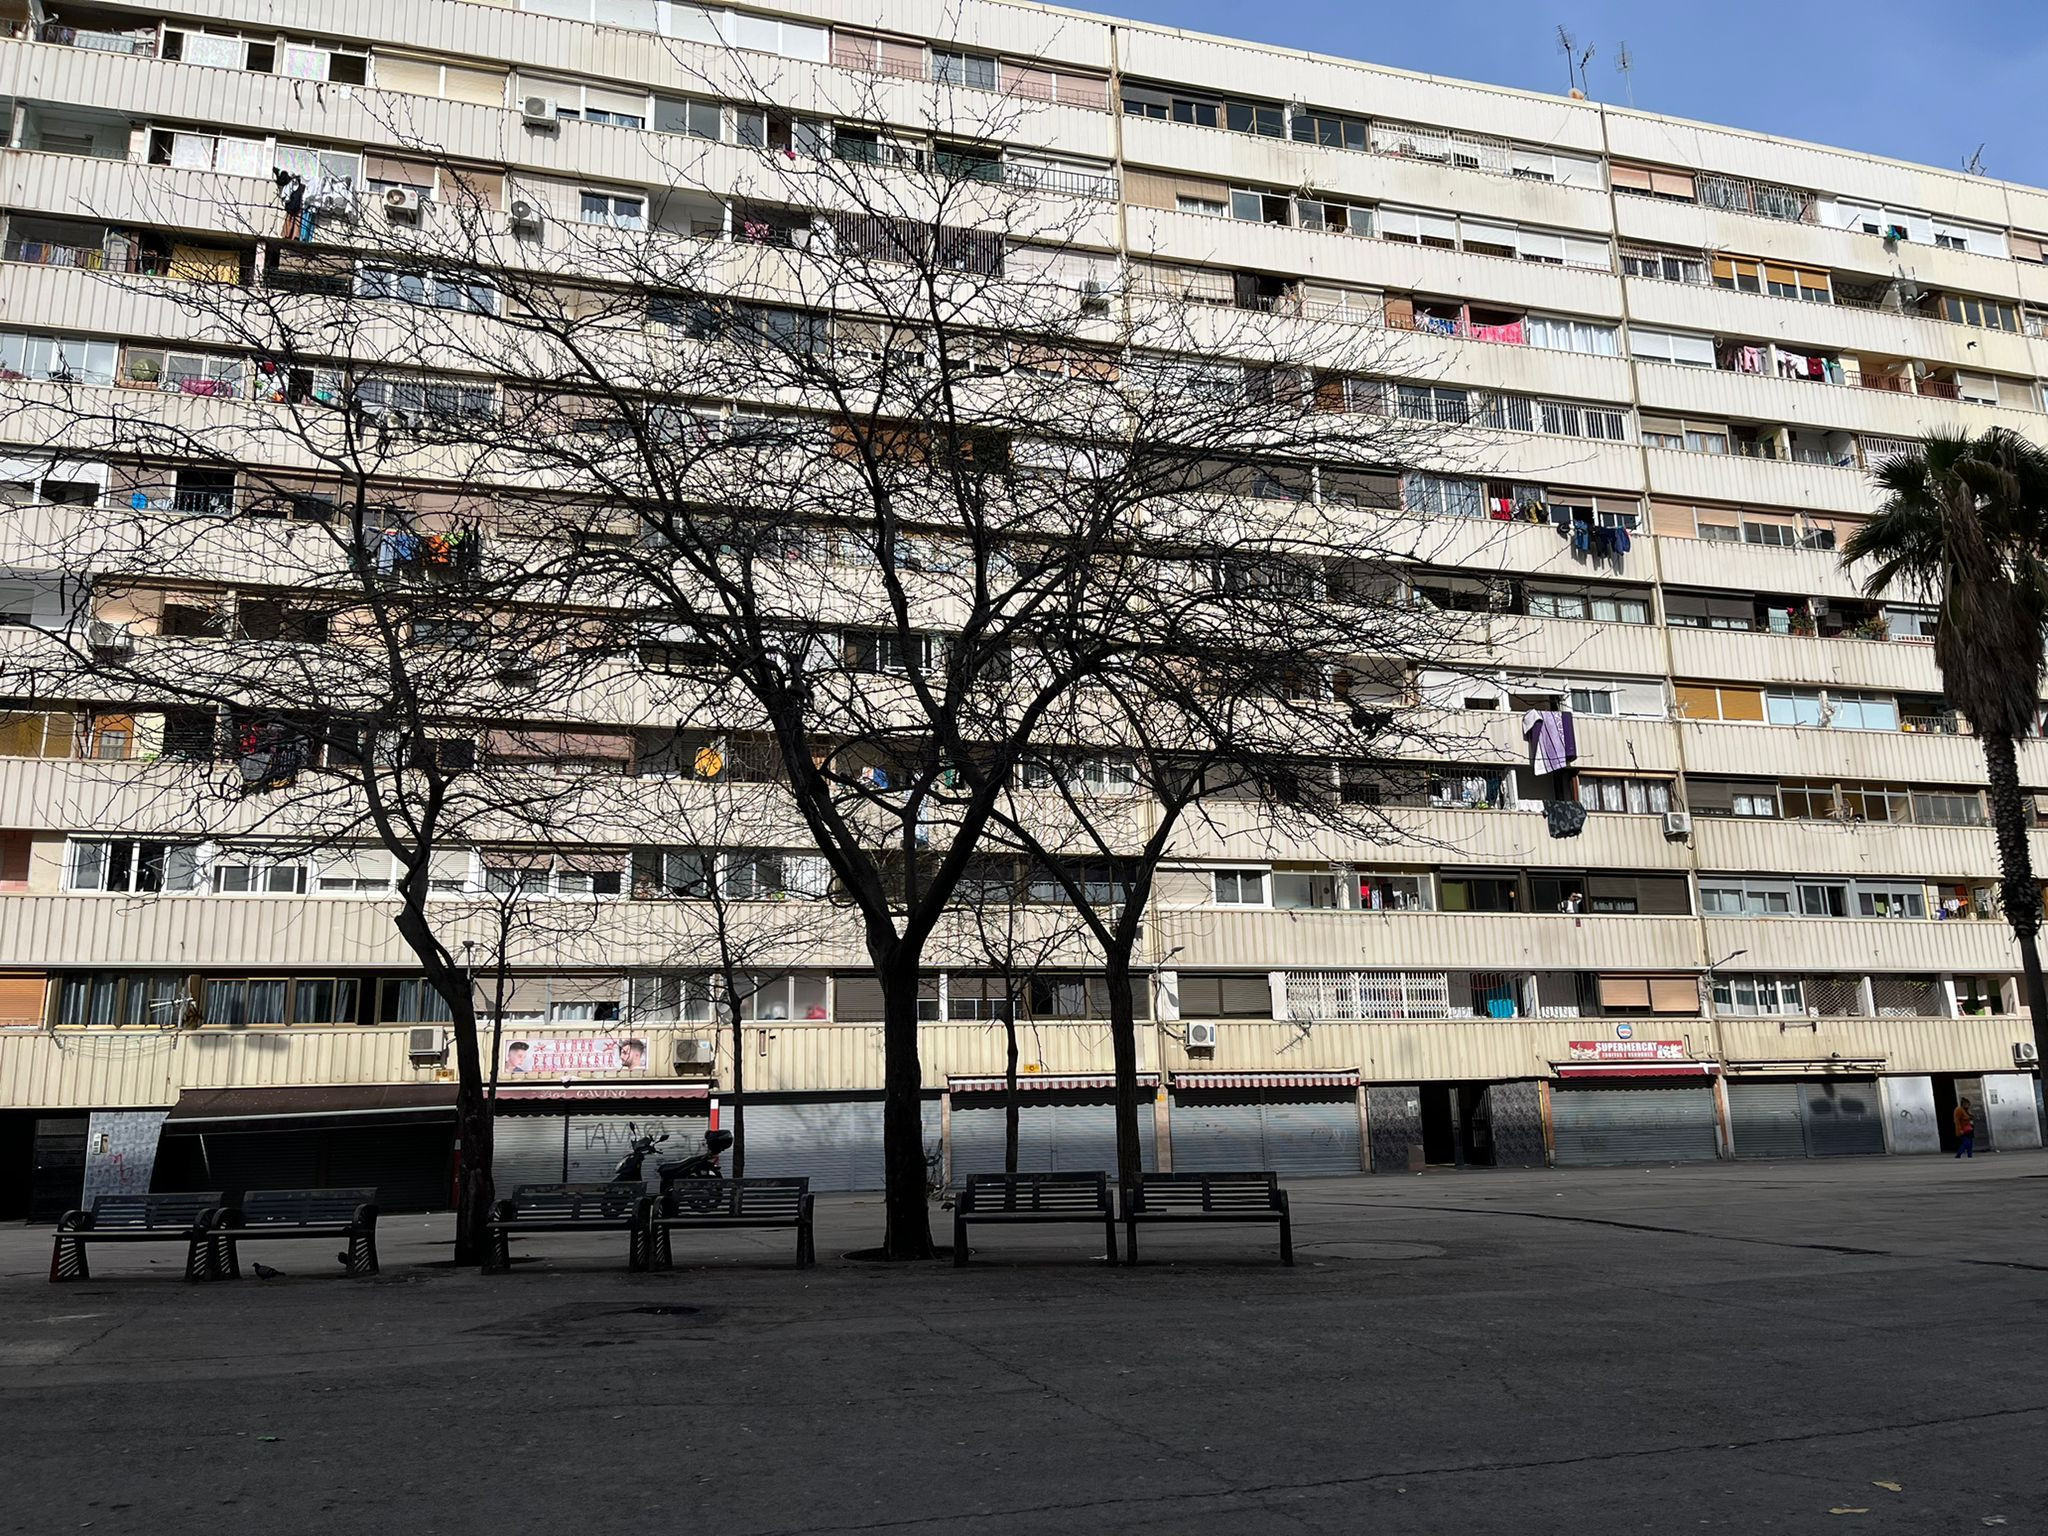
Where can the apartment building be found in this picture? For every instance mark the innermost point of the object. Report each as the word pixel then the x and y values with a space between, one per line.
pixel 1684 347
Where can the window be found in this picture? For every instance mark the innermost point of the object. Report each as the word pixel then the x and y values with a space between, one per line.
pixel 257 875
pixel 1262 118
pixel 243 1001
pixel 434 290
pixel 1671 347
pixel 1754 802
pixel 1330 130
pixel 1948 808
pixel 1591 701
pixel 1392 893
pixel 682 999
pixel 617 210
pixel 1665 266
pixel 123 865
pixel 772 999
pixel 1258 207
pixel 64 359
pixel 1588 336
pixel 1822 900
pixel 1891 901
pixel 324 1000
pixel 122 999
pixel 1240 888
pixel 1631 797
pixel 974 70
pixel 411 1000
pixel 1986 314
pixel 1248 996
pixel 1437 496
pixel 1758 995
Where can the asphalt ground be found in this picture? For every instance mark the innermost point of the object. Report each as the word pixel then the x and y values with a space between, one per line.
pixel 1838 1347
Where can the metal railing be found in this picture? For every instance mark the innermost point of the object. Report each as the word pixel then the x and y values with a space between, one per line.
pixel 138 45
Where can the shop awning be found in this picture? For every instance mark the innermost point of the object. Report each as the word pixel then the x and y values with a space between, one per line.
pixel 1638 1069
pixel 204 1108
pixel 1048 1082
pixel 535 1095
pixel 1206 1081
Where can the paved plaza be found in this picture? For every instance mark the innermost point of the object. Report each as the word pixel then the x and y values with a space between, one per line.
pixel 1843 1347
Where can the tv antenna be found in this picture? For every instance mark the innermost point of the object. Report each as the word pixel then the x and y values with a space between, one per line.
pixel 1625 66
pixel 1575 61
pixel 1974 166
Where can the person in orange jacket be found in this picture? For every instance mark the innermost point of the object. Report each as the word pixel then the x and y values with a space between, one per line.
pixel 1966 1131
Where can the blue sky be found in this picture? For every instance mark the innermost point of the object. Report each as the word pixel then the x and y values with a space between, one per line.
pixel 1919 81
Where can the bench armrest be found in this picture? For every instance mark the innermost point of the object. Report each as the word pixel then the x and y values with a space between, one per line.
pixel 1282 1194
pixel 503 1210
pixel 222 1216
pixel 365 1217
pixel 75 1221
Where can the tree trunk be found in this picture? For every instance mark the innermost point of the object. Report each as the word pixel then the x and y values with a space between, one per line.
pixel 738 1099
pixel 1123 1037
pixel 474 1187
pixel 907 1229
pixel 1010 1111
pixel 2017 887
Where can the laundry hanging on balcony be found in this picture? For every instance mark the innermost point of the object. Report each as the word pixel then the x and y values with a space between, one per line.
pixel 1552 739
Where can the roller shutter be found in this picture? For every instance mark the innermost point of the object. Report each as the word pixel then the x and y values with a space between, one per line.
pixel 1296 1137
pixel 1632 1123
pixel 1515 1111
pixel 527 1149
pixel 1393 1114
pixel 836 1144
pixel 410 1166
pixel 1765 1119
pixel 1843 1119
pixel 1052 1137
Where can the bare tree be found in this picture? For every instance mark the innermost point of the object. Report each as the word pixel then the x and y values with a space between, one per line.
pixel 873 439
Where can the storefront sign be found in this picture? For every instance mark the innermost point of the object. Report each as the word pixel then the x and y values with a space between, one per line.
pixel 1629 1050
pixel 571 1056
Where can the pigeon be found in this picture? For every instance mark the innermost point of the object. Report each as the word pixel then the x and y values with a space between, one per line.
pixel 265 1272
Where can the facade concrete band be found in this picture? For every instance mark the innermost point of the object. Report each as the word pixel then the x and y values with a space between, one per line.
pixel 1776 936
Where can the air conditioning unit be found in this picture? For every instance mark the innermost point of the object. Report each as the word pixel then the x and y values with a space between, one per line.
pixel 426 1046
pixel 695 1056
pixel 2026 1054
pixel 110 639
pixel 401 202
pixel 527 216
pixel 1201 1036
pixel 1678 824
pixel 539 112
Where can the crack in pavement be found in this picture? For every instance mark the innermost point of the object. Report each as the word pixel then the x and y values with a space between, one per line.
pixel 1716 1237
pixel 1366 1479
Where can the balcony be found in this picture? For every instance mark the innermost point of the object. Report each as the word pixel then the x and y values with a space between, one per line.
pixel 1863 945
pixel 1806 660
pixel 1267 940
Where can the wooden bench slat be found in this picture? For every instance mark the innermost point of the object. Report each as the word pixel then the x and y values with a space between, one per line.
pixel 1247 1196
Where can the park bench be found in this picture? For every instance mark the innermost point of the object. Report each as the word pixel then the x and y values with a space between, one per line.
pixel 1194 1197
pixel 181 1218
pixel 1025 1198
pixel 570 1208
pixel 264 1214
pixel 694 1203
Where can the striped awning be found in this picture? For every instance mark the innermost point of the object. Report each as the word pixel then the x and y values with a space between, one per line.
pixel 1206 1081
pixel 1048 1082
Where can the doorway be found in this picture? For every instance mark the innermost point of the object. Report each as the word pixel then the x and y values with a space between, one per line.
pixel 1457 1125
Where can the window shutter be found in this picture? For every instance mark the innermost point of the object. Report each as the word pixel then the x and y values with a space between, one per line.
pixel 1580 251
pixel 406 173
pixel 1541 244
pixel 1624 992
pixel 1674 994
pixel 1630 178
pixel 1786 276
pixel 1698 701
pixel 1742 704
pixel 415 77
pixel 1673 518
pixel 1710 794
pixel 1673 184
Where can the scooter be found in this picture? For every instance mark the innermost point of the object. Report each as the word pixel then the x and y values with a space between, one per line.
pixel 703 1165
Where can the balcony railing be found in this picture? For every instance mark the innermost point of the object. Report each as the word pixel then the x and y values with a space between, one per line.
pixel 137 44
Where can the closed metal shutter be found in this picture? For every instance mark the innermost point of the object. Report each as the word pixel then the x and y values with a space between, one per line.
pixel 1515 1111
pixel 1637 1123
pixel 1217 1138
pixel 2009 1109
pixel 526 1149
pixel 1765 1119
pixel 598 1142
pixel 1843 1119
pixel 411 1166
pixel 1393 1118
pixel 1909 1105
pixel 1052 1137
pixel 1300 1138
pixel 834 1145
pixel 242 1160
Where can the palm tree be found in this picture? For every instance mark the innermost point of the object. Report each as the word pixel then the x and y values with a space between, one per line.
pixel 1965 521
